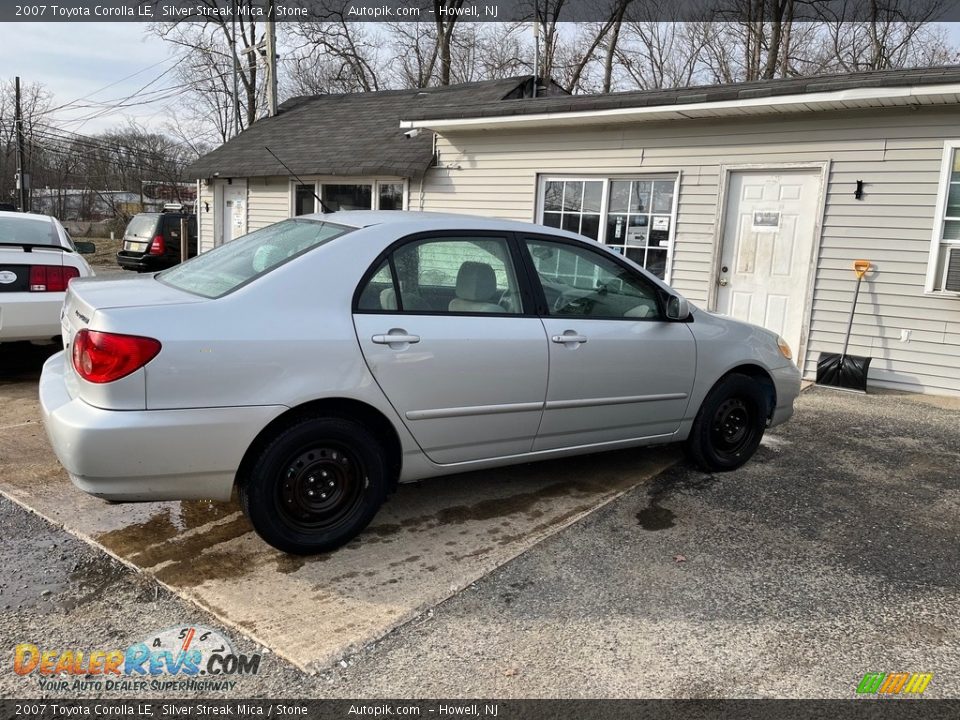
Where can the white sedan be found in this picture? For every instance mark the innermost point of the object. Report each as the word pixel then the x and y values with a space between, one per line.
pixel 317 362
pixel 37 260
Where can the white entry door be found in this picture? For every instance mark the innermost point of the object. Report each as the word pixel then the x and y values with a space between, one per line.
pixel 233 211
pixel 768 241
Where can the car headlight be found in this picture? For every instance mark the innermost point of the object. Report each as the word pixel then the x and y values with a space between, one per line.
pixel 784 348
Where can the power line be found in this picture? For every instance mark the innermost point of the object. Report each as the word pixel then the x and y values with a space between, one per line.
pixel 49 133
pixel 105 87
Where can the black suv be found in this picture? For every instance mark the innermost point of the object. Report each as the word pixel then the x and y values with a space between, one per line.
pixel 152 240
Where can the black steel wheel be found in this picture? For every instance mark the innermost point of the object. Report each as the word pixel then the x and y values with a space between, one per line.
pixel 315 486
pixel 730 424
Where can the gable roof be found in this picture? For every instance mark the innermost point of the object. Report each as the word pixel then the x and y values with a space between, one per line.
pixel 881 88
pixel 348 134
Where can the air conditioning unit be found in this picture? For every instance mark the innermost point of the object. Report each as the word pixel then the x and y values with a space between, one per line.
pixel 951 269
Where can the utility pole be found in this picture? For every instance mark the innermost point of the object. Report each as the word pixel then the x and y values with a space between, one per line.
pixel 271 49
pixel 236 72
pixel 23 178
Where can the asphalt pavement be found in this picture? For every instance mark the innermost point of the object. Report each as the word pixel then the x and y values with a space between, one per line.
pixel 833 553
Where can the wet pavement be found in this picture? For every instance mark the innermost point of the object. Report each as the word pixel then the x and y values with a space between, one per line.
pixel 833 553
pixel 430 540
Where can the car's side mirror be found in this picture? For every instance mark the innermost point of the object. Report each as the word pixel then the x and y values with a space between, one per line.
pixel 85 248
pixel 678 308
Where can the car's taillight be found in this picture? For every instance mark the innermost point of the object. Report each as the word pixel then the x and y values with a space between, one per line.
pixel 157 246
pixel 51 278
pixel 102 357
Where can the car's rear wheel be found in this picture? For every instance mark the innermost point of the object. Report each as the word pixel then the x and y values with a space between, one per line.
pixel 729 426
pixel 315 486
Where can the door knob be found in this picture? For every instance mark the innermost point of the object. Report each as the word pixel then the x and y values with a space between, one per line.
pixel 722 282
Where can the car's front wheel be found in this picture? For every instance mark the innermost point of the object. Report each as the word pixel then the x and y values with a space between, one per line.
pixel 729 426
pixel 315 486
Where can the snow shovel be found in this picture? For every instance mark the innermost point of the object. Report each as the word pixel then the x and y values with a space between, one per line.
pixel 846 372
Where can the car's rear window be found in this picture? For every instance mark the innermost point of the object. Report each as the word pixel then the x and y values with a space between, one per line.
pixel 27 231
pixel 142 226
pixel 224 269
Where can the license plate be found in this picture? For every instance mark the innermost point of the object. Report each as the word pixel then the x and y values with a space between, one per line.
pixel 135 246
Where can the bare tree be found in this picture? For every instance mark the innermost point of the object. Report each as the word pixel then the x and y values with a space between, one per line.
pixel 216 46
pixel 35 101
pixel 334 55
pixel 659 55
pixel 870 35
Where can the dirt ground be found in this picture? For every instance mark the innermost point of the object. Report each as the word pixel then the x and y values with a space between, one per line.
pixel 106 255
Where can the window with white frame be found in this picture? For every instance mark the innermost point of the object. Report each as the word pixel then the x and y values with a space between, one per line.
pixel 634 215
pixel 943 274
pixel 340 195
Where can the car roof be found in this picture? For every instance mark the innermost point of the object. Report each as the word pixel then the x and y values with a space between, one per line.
pixel 411 221
pixel 25 216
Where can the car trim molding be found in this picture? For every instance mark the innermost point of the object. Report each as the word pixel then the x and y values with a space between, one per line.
pixel 472 410
pixel 623 400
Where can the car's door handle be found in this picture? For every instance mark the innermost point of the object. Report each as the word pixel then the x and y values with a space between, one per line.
pixel 395 337
pixel 569 336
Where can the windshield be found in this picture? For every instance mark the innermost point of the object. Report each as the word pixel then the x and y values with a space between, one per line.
pixel 28 231
pixel 224 269
pixel 141 226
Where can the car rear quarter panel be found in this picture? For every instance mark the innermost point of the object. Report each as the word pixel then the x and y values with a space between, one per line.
pixel 285 339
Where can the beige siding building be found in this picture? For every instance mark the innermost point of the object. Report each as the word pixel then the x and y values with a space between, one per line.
pixel 752 200
pixel 913 335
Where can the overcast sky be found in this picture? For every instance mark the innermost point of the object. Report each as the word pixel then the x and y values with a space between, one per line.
pixel 75 60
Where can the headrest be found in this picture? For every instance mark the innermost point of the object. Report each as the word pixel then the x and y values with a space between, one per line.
pixel 388 299
pixel 476 282
pixel 267 256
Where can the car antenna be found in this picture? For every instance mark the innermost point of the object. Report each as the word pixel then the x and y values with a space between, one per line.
pixel 323 205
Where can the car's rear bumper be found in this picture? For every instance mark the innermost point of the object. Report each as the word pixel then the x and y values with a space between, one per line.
pixel 30 316
pixel 786 380
pixel 143 263
pixel 130 455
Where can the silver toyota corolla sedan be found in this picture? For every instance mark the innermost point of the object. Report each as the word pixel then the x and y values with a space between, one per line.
pixel 315 363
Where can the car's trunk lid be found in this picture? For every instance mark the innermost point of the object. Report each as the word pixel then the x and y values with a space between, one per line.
pixel 88 296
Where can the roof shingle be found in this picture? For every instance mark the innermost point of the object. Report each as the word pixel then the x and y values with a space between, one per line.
pixel 477 108
pixel 347 134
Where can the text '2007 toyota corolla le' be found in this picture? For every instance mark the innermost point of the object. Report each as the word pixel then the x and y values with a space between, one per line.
pixel 316 362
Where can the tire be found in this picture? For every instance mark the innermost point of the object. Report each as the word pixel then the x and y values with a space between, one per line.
pixel 315 486
pixel 729 425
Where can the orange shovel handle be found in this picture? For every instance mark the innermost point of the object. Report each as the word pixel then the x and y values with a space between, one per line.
pixel 861 268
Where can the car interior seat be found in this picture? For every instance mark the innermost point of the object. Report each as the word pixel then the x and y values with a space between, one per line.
pixel 476 286
pixel 411 301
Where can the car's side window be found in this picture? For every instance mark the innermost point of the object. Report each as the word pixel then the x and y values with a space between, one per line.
pixel 378 293
pixel 462 274
pixel 580 281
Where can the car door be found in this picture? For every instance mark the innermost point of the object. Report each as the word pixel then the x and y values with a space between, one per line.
pixel 449 335
pixel 619 369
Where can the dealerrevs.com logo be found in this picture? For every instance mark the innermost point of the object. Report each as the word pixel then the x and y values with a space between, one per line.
pixel 189 657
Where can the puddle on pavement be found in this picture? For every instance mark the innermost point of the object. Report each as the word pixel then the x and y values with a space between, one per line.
pixel 429 540
pixel 654 516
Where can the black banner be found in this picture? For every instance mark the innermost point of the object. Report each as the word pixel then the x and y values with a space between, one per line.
pixel 856 709
pixel 547 11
